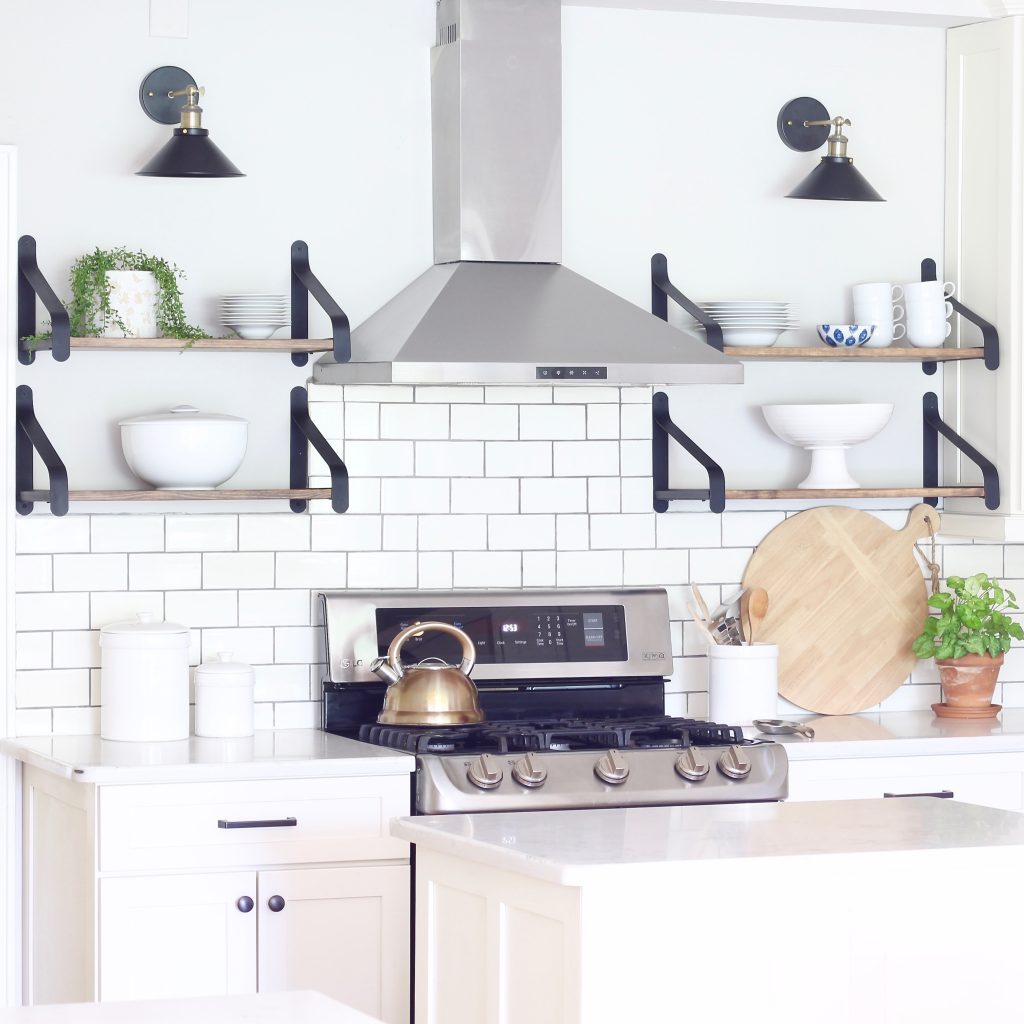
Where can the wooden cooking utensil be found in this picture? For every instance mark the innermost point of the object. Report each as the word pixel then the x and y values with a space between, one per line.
pixel 753 609
pixel 847 599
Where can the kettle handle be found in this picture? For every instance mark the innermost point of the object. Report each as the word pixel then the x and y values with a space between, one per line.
pixel 468 652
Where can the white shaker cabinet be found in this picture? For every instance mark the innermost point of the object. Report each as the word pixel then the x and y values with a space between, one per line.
pixel 159 890
pixel 984 255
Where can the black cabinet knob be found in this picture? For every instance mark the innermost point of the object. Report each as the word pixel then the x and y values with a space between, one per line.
pixel 245 904
pixel 276 903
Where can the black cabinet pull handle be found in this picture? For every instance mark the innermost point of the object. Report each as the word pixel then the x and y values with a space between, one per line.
pixel 276 903
pixel 942 794
pixel 245 904
pixel 266 823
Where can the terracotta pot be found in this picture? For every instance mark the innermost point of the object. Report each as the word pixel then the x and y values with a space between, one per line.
pixel 970 681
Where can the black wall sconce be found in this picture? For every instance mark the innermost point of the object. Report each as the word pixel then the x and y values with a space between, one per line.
pixel 189 153
pixel 804 125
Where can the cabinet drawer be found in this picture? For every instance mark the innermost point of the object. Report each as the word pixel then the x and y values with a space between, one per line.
pixel 234 824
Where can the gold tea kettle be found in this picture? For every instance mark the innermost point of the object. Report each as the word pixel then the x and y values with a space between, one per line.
pixel 432 692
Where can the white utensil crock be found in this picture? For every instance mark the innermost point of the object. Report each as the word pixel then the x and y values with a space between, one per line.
pixel 742 682
pixel 145 680
pixel 133 295
pixel 224 697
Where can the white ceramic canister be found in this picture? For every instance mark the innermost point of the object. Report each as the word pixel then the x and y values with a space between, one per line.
pixel 224 697
pixel 145 680
pixel 742 682
pixel 133 299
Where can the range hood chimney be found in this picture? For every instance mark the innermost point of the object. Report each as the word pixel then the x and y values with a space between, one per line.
pixel 497 306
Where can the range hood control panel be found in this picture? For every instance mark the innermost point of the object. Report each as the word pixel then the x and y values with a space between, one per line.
pixel 572 373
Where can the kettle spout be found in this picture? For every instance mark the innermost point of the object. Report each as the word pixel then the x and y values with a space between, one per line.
pixel 383 668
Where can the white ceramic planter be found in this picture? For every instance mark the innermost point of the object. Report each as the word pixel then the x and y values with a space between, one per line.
pixel 133 295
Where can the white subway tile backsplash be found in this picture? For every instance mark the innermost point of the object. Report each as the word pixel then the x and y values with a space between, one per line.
pixel 634 530
pixel 33 650
pixel 589 569
pixel 655 567
pixel 414 496
pixel 575 394
pixel 518 458
pixel 400 533
pixel 722 565
pixel 539 568
pixel 451 394
pixel 688 529
pixel 485 422
pixel 328 418
pixel 299 645
pixel 252 645
pixel 414 421
pixel 748 528
pixel 33 573
pixel 51 611
pixel 92 572
pixel 519 533
pixel 449 458
pixel 552 422
pixel 383 393
pixel 499 495
pixel 387 570
pixel 273 608
pixel 34 722
pixel 76 721
pixel 446 533
pixel 602 422
pixel 636 422
pixel 637 493
pixel 201 533
pixel 586 458
pixel 529 395
pixel 635 458
pixel 347 532
pixel 197 608
pixel 967 559
pixel 48 688
pixel 604 494
pixel 46 534
pixel 78 648
pixel 127 533
pixel 165 571
pixel 435 570
pixel 554 495
pixel 281 682
pixel 297 715
pixel 238 570
pixel 314 570
pixel 362 421
pixel 105 608
pixel 643 393
pixel 379 458
pixel 572 533
pixel 488 569
pixel 285 532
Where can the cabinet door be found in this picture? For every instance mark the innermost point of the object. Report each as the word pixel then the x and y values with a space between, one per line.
pixel 343 931
pixel 177 935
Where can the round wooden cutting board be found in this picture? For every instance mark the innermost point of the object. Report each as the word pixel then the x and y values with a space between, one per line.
pixel 846 599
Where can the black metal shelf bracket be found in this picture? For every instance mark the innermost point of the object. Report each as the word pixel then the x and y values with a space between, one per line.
pixel 32 284
pixel 30 438
pixel 662 289
pixel 304 433
pixel 664 428
pixel 989 335
pixel 304 284
pixel 934 425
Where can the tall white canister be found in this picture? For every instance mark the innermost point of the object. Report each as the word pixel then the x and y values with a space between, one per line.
pixel 224 697
pixel 742 682
pixel 145 680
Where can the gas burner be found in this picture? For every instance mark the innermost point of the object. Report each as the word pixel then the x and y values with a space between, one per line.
pixel 556 734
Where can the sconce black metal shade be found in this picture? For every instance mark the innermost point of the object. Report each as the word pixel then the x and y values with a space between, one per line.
pixel 835 177
pixel 190 153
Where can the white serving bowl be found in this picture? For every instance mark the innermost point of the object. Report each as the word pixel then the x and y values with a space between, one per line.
pixel 826 431
pixel 184 449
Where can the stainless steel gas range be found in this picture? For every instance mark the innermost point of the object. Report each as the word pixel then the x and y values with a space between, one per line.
pixel 573 687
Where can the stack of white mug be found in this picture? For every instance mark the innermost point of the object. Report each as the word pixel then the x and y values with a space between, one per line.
pixel 928 311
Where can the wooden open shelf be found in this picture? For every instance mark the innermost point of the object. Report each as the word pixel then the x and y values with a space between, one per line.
pixel 852 355
pixel 270 493
pixel 862 492
pixel 200 345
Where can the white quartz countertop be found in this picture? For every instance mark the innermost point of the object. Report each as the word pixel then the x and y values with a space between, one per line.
pixel 269 754
pixel 265 1008
pixel 572 847
pixel 902 733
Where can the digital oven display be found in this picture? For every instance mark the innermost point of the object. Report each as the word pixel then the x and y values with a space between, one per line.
pixel 519 636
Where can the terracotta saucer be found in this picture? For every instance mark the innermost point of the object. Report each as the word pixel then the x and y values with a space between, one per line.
pixel 945 711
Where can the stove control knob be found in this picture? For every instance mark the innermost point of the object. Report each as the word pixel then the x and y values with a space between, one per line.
pixel 485 772
pixel 612 768
pixel 528 771
pixel 691 766
pixel 734 763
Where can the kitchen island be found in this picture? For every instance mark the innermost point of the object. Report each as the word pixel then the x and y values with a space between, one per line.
pixel 803 913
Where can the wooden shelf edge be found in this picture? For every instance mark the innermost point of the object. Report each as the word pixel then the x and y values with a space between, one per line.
pixel 199 345
pixel 852 492
pixel 892 355
pixel 307 493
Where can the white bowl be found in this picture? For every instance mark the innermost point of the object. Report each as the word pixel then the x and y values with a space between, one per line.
pixel 184 449
pixel 826 431
pixel 255 332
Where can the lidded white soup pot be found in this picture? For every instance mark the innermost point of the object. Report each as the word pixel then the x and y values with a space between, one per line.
pixel 184 449
pixel 224 697
pixel 145 680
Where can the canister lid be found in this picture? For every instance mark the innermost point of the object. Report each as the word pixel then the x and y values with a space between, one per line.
pixel 222 671
pixel 181 414
pixel 144 623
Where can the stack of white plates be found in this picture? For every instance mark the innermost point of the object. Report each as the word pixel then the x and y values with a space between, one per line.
pixel 255 317
pixel 750 323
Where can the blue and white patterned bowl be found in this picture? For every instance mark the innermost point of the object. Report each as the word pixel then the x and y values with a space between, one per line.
pixel 845 335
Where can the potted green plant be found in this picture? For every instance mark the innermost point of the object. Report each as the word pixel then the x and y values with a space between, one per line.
pixel 968 639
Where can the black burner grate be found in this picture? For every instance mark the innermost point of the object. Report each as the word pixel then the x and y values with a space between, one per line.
pixel 553 734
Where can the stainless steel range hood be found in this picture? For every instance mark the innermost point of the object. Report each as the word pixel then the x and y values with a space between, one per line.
pixel 497 306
